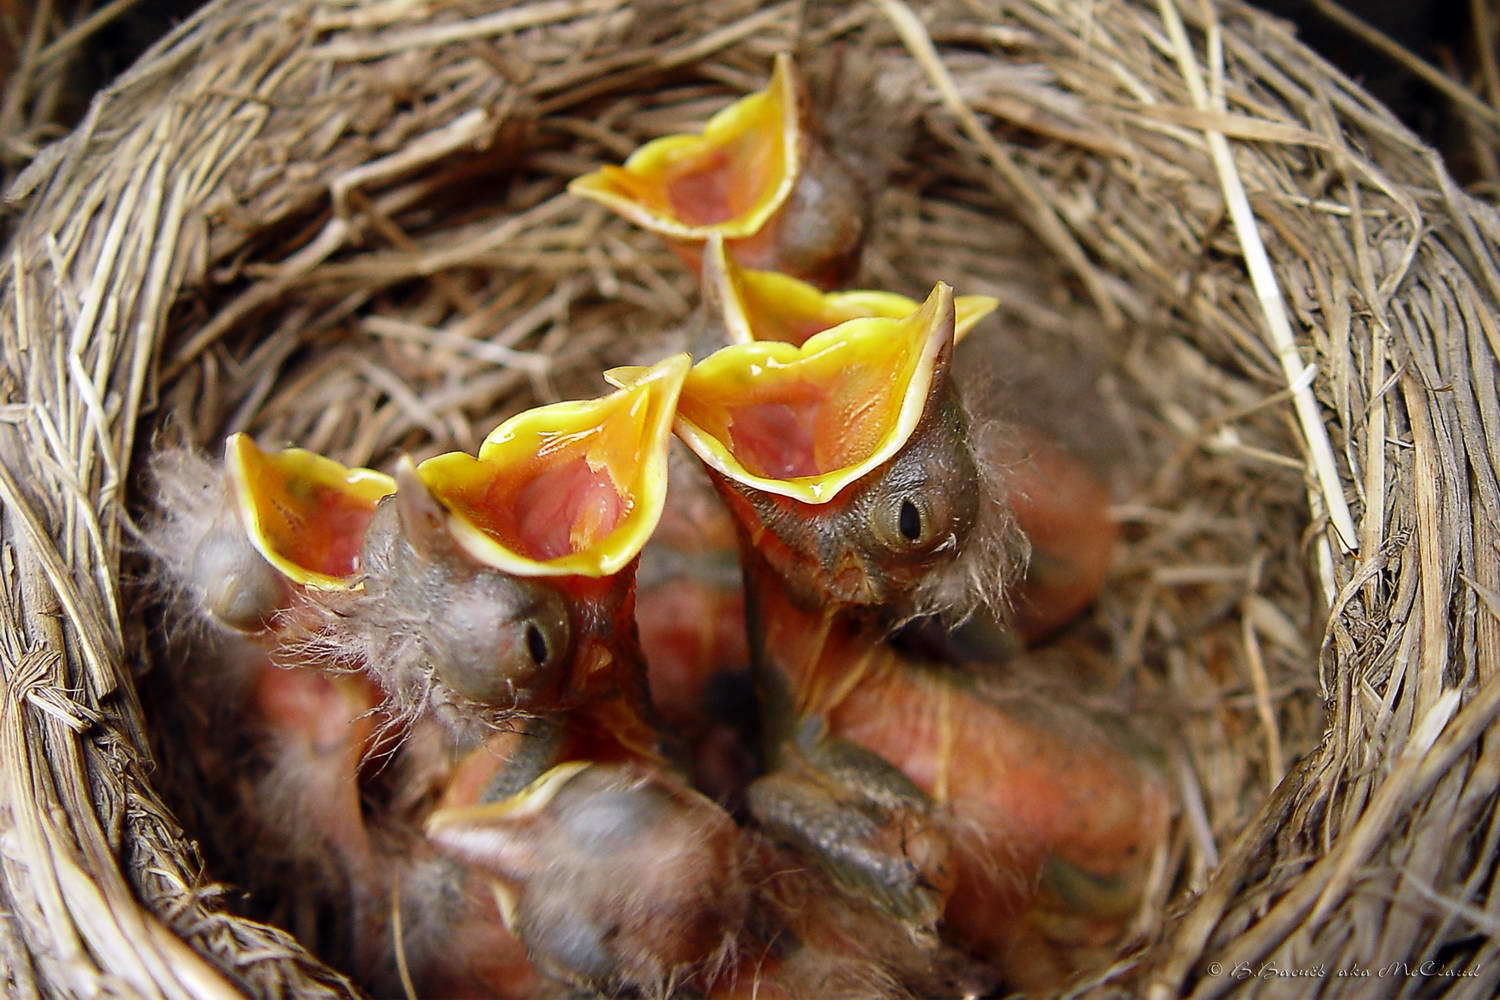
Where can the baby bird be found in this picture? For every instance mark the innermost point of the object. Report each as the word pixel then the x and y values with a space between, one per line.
pixel 692 625
pixel 847 463
pixel 1059 505
pixel 505 588
pixel 239 546
pixel 1052 820
pixel 1027 829
pixel 615 874
pixel 512 555
pixel 622 879
pixel 760 175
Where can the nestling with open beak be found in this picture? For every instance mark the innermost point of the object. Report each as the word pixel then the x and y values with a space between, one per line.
pixel 240 544
pixel 515 573
pixel 846 467
pixel 760 175
pixel 615 874
pixel 691 613
pixel 847 462
pixel 488 583
pixel 241 547
pixel 567 825
pixel 1059 505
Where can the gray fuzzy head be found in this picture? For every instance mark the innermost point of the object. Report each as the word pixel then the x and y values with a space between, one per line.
pixel 621 878
pixel 440 631
pixel 927 533
pixel 207 566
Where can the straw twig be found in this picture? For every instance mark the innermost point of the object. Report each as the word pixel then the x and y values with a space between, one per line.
pixel 1267 290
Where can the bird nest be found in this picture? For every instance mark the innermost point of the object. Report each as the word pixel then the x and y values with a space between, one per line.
pixel 344 225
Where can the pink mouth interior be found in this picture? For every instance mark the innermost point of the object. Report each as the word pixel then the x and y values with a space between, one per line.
pixel 717 185
pixel 323 532
pixel 798 429
pixel 701 196
pixel 556 512
pixel 775 439
pixel 772 323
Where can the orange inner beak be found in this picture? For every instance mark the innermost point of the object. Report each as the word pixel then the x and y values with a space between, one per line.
pixel 333 547
pixel 567 498
pixel 708 186
pixel 794 428
pixel 307 514
pixel 569 488
pixel 731 178
pixel 806 421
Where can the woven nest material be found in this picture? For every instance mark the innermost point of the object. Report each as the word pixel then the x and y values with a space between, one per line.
pixel 344 225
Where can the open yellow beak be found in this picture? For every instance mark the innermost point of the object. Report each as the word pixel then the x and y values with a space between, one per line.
pixel 304 513
pixel 568 489
pixel 768 305
pixel 806 421
pixel 528 802
pixel 497 835
pixel 729 180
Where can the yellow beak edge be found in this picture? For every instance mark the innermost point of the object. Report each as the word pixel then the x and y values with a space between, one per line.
pixel 304 513
pixel 767 305
pixel 571 488
pixel 730 179
pixel 806 421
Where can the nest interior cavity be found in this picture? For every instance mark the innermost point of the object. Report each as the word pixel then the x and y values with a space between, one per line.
pixel 344 225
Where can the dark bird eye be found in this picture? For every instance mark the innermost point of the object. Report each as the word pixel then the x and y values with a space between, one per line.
pixel 501 642
pixel 909 521
pixel 905 523
pixel 536 644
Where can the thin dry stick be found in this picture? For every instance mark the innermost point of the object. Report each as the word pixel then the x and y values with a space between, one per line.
pixel 1422 761
pixel 18 87
pixel 74 37
pixel 1267 291
pixel 1485 42
pixel 1427 481
pixel 1262 687
pixel 1043 214
pixel 421 36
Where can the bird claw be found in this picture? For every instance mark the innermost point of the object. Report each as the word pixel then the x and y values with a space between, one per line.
pixel 864 821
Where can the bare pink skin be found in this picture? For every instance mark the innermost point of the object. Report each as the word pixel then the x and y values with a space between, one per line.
pixel 1028 786
pixel 1063 509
